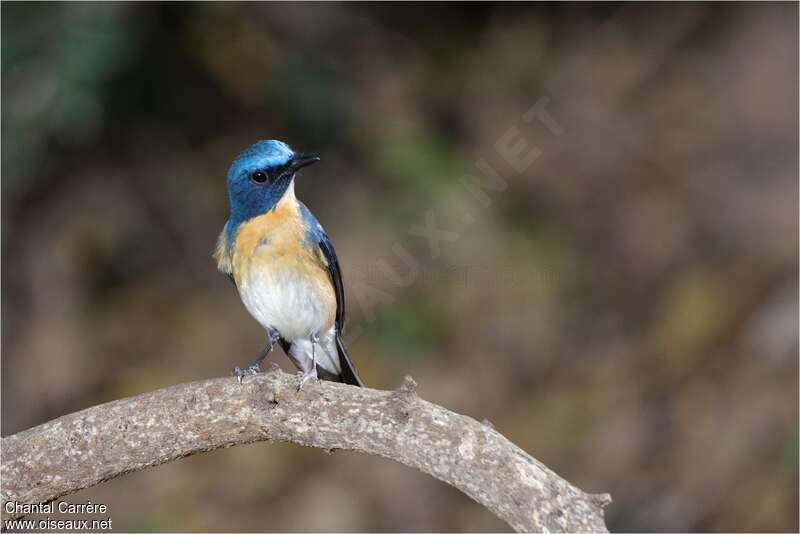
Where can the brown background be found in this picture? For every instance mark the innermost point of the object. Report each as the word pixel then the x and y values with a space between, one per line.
pixel 626 310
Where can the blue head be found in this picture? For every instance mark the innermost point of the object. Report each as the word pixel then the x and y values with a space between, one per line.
pixel 258 179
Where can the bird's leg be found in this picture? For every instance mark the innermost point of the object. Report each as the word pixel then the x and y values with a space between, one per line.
pixel 272 337
pixel 310 372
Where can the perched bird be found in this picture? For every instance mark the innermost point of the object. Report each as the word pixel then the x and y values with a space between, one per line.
pixel 284 265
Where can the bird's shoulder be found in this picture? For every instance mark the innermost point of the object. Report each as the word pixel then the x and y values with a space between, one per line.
pixel 316 239
pixel 314 232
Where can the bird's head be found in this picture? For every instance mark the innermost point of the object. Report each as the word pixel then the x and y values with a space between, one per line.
pixel 260 176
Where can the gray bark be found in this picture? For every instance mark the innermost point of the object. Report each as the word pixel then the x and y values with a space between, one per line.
pixel 88 447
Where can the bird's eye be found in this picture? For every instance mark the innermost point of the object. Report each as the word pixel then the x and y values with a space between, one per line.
pixel 259 177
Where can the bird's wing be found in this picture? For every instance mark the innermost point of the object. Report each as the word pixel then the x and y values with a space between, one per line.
pixel 349 373
pixel 320 239
pixel 328 252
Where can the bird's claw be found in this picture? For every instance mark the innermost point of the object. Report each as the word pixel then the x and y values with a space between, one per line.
pixel 240 373
pixel 305 377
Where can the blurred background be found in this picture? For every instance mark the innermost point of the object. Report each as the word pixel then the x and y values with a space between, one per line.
pixel 625 310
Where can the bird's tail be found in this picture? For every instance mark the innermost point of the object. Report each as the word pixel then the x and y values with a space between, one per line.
pixel 327 368
pixel 349 374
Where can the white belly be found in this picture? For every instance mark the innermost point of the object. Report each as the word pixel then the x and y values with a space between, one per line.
pixel 286 301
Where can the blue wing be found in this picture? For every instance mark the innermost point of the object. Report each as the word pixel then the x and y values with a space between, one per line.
pixel 317 237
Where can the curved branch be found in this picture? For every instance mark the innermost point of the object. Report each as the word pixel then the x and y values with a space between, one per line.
pixel 88 447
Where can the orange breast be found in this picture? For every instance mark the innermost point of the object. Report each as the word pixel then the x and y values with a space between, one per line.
pixel 272 247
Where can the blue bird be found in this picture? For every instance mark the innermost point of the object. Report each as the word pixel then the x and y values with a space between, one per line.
pixel 284 265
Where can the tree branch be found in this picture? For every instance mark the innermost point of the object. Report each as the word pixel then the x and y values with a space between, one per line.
pixel 80 450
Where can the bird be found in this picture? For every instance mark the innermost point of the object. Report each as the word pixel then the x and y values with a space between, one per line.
pixel 283 265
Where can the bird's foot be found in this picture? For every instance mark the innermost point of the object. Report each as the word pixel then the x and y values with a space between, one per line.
pixel 306 376
pixel 272 337
pixel 240 373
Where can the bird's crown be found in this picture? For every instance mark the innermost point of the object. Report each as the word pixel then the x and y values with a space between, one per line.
pixel 263 155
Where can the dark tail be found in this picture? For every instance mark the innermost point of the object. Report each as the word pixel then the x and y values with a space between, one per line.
pixel 349 374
